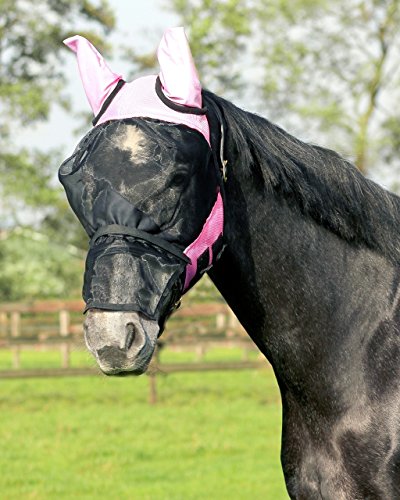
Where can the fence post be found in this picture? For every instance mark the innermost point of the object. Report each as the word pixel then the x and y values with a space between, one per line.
pixel 152 370
pixel 200 351
pixel 3 324
pixel 65 357
pixel 15 324
pixel 153 388
pixel 64 322
pixel 16 363
pixel 220 321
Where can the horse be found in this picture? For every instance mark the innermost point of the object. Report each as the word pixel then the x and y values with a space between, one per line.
pixel 173 182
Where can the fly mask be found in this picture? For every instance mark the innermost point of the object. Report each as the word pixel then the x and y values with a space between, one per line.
pixel 145 183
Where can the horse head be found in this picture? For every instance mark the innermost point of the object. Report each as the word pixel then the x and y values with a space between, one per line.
pixel 146 186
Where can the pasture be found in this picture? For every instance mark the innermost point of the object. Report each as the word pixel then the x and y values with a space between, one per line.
pixel 211 435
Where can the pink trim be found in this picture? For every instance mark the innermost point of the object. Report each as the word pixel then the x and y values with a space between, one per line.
pixel 212 230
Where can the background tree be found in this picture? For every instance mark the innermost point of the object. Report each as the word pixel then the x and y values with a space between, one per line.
pixel 316 65
pixel 39 262
pixel 34 265
pixel 32 80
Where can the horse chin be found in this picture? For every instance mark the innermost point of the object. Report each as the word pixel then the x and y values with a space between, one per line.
pixel 121 342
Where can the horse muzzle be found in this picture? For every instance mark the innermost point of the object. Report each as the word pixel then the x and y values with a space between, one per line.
pixel 121 342
pixel 130 289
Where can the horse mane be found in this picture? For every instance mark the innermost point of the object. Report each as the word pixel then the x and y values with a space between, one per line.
pixel 315 180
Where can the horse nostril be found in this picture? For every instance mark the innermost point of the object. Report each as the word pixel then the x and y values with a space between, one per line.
pixel 112 355
pixel 130 335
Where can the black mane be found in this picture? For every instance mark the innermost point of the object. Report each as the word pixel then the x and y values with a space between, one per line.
pixel 318 181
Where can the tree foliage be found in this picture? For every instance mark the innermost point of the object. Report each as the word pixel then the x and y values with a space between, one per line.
pixel 218 35
pixel 32 80
pixel 31 76
pixel 33 265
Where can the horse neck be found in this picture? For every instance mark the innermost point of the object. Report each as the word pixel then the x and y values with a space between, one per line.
pixel 286 278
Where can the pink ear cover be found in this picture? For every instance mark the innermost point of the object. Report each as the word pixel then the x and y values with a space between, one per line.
pixel 97 78
pixel 139 98
pixel 178 73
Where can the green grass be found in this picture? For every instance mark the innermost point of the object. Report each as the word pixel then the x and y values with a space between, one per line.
pixel 211 436
pixel 29 358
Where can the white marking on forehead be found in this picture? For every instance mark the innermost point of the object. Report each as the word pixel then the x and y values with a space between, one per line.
pixel 132 139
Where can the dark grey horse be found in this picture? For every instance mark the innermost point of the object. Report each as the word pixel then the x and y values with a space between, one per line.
pixel 310 268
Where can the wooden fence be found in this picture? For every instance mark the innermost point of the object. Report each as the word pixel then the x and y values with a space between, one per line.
pixel 50 325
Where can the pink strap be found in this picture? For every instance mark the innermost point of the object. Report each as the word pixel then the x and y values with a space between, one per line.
pixel 212 230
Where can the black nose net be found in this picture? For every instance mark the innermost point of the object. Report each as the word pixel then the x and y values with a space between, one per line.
pixel 114 264
pixel 126 192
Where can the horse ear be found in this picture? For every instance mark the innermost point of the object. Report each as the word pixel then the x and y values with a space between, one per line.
pixel 178 73
pixel 97 78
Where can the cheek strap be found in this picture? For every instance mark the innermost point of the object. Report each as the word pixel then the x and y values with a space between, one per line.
pixel 211 232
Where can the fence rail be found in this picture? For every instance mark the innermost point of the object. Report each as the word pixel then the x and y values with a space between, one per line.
pixel 44 319
pixel 57 325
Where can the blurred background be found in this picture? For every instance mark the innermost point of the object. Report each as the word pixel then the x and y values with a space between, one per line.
pixel 206 421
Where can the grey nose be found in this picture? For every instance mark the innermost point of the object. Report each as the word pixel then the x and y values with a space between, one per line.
pixel 120 341
pixel 117 355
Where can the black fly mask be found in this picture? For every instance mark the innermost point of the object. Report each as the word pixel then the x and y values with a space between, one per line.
pixel 145 182
pixel 142 189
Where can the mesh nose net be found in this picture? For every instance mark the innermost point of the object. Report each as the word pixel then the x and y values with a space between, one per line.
pixel 128 274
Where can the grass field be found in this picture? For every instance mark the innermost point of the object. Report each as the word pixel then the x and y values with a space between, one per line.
pixel 211 436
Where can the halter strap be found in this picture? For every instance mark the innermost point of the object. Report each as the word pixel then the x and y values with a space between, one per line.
pixel 174 105
pixel 218 158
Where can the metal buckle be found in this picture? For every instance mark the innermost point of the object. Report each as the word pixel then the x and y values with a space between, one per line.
pixel 224 163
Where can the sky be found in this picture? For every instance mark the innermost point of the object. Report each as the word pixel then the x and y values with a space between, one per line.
pixel 142 27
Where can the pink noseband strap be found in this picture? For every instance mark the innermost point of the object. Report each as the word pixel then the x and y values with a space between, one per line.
pixel 212 230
